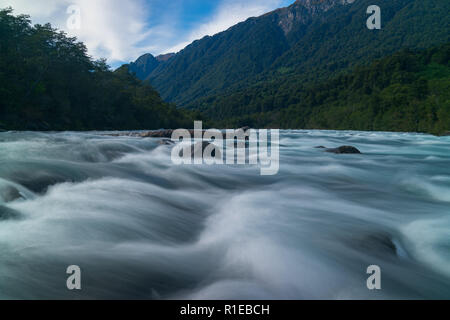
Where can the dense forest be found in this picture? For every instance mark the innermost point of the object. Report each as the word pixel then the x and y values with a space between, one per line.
pixel 48 82
pixel 408 91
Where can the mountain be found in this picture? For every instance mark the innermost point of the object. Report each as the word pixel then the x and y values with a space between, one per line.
pixel 48 82
pixel 309 41
pixel 146 63
pixel 143 66
pixel 247 49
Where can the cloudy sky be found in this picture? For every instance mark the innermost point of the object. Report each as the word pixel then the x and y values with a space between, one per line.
pixel 122 30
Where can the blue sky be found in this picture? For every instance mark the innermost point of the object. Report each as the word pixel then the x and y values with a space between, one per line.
pixel 122 30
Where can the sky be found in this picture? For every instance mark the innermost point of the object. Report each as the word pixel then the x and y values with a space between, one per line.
pixel 121 31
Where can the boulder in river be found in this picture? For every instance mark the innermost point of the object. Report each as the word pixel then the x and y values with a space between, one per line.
pixel 166 133
pixel 344 150
pixel 157 134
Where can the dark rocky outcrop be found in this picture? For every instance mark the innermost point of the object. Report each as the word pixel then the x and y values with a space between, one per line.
pixel 164 133
pixel 165 57
pixel 156 134
pixel 344 150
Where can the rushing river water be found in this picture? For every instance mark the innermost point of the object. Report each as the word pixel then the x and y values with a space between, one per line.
pixel 140 227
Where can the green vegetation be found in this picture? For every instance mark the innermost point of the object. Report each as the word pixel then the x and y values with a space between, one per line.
pixel 322 74
pixel 408 91
pixel 266 59
pixel 48 82
pixel 320 71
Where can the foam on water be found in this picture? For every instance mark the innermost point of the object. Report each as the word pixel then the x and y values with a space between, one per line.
pixel 140 227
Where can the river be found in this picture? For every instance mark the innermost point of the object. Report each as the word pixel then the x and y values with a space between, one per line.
pixel 140 227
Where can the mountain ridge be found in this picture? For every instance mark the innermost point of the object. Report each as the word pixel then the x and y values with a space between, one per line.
pixel 214 63
pixel 310 39
pixel 146 63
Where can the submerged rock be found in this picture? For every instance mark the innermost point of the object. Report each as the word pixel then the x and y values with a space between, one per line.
pixel 344 150
pixel 378 243
pixel 166 142
pixel 320 147
pixel 7 213
pixel 9 194
pixel 38 181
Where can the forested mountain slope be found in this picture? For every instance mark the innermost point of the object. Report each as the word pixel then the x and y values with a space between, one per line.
pixel 408 91
pixel 309 41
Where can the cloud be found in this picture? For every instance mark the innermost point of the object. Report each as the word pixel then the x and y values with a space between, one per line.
pixel 113 29
pixel 43 9
pixel 121 30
